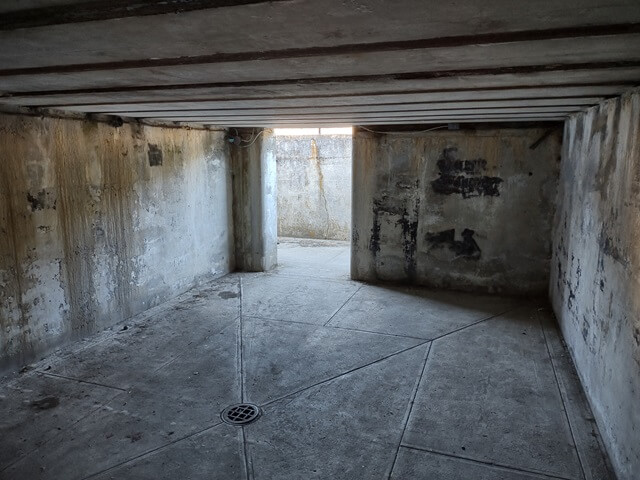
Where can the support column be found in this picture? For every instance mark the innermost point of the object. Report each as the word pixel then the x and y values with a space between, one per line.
pixel 363 236
pixel 255 201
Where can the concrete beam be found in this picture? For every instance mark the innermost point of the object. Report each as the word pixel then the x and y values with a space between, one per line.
pixel 83 11
pixel 403 106
pixel 451 42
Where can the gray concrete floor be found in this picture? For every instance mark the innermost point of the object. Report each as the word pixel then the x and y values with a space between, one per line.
pixel 355 382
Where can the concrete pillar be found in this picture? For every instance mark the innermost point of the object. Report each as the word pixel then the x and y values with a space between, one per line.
pixel 255 201
pixel 365 151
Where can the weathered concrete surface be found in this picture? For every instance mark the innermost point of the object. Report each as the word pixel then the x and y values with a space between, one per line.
pixel 88 56
pixel 595 276
pixel 100 223
pixel 314 186
pixel 469 210
pixel 486 399
pixel 255 201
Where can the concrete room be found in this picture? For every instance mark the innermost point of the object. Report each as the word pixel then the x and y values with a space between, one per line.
pixel 463 306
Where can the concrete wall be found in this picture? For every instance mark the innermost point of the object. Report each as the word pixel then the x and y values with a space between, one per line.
pixel 468 209
pixel 255 201
pixel 100 223
pixel 314 186
pixel 595 280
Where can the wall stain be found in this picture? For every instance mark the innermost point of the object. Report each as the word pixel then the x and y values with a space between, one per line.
pixel 315 158
pixel 410 239
pixel 41 200
pixel 406 218
pixel 45 403
pixel 608 247
pixel 374 242
pixel 636 335
pixel 467 248
pixel 228 294
pixel 155 155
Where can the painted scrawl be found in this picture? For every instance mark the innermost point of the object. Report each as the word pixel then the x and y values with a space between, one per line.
pixel 464 176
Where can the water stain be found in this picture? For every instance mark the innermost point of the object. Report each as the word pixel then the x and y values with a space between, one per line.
pixel 41 200
pixel 155 155
pixel 228 294
pixel 45 403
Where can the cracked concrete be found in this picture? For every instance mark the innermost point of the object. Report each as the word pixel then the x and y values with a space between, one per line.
pixel 355 382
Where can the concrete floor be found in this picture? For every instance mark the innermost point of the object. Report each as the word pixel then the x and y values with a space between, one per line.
pixel 355 382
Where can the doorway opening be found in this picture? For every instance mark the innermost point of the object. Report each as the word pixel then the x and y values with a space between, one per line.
pixel 314 199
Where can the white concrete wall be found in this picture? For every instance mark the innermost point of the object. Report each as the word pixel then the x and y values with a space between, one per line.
pixel 595 276
pixel 468 209
pixel 314 186
pixel 91 233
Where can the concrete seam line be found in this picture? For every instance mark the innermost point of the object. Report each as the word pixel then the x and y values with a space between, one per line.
pixel 240 345
pixel 266 319
pixel 169 362
pixel 410 409
pixel 562 399
pixel 248 463
pixel 342 306
pixel 378 333
pixel 482 462
pixel 79 380
pixel 476 323
pixel 153 450
pixel 386 357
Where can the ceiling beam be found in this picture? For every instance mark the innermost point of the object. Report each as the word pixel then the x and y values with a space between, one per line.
pixel 377 113
pixel 349 49
pixel 369 107
pixel 540 91
pixel 364 118
pixel 514 70
pixel 95 11
pixel 412 121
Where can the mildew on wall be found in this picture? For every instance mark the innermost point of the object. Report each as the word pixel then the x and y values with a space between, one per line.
pixel 99 223
pixel 468 209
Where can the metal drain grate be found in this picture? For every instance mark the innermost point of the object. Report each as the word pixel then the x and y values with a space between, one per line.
pixel 240 414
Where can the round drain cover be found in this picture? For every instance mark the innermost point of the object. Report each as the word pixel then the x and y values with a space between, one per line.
pixel 240 414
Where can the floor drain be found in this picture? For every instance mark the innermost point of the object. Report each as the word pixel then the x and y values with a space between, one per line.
pixel 240 414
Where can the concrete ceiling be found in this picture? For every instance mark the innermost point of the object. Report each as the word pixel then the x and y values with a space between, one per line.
pixel 309 62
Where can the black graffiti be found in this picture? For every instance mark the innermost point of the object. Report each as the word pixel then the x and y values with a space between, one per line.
pixel 464 176
pixel 449 163
pixel 467 248
pixel 467 186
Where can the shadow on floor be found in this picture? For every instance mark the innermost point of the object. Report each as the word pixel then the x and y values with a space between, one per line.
pixel 354 382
